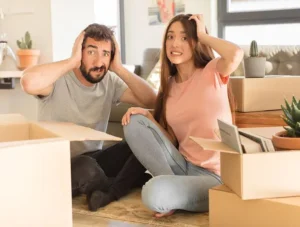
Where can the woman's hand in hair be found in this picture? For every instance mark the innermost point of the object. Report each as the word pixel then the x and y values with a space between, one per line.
pixel 198 18
pixel 134 111
pixel 77 50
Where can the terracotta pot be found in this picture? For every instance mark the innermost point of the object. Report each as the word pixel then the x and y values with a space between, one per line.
pixel 28 58
pixel 288 143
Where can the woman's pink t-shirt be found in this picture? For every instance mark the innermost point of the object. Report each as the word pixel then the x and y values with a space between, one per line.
pixel 193 108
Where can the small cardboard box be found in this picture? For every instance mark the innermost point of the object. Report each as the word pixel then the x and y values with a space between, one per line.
pixel 258 175
pixel 226 209
pixel 35 171
pixel 259 94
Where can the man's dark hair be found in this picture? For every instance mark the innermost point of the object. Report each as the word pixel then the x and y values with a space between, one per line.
pixel 100 32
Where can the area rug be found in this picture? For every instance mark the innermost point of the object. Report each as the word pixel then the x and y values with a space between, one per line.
pixel 131 209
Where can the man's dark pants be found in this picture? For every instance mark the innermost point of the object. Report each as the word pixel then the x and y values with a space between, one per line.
pixel 114 170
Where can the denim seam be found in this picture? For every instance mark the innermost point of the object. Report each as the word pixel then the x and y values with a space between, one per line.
pixel 161 143
pixel 209 173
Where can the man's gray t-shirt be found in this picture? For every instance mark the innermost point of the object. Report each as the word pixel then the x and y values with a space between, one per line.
pixel 71 101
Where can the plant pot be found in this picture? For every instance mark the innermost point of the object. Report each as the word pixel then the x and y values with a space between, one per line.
pixel 255 67
pixel 287 143
pixel 28 58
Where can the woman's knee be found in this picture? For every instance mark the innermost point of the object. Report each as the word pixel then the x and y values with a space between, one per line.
pixel 158 194
pixel 135 122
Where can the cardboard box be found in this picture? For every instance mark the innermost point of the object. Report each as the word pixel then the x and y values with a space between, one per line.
pixel 226 209
pixel 259 94
pixel 35 171
pixel 258 175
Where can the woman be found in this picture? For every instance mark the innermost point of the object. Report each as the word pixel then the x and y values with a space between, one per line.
pixel 193 95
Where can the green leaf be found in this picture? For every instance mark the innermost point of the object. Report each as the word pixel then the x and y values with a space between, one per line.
pixel 290 132
pixel 27 38
pixel 289 123
pixel 23 46
pixel 288 107
pixel 253 49
pixel 297 134
pixel 29 44
pixel 19 43
pixel 287 113
pixel 295 112
pixel 294 100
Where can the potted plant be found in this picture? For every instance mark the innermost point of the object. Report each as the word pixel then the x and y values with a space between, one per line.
pixel 254 65
pixel 290 138
pixel 27 56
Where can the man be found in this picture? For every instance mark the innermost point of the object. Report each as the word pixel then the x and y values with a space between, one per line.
pixel 82 90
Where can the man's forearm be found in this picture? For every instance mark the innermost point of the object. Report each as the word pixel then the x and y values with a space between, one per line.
pixel 140 88
pixel 40 77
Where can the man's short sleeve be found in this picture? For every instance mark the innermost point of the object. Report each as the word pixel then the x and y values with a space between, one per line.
pixel 46 98
pixel 119 88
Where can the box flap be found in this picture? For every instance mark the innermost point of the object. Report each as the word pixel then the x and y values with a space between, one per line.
pixel 221 187
pixel 75 132
pixel 209 144
pixel 12 119
pixel 294 201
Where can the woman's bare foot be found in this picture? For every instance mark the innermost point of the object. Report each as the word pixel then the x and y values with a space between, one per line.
pixel 160 215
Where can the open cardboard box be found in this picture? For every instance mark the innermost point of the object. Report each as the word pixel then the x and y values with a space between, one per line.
pixel 35 170
pixel 226 209
pixel 258 175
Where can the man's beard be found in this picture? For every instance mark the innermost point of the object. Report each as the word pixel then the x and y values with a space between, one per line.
pixel 87 74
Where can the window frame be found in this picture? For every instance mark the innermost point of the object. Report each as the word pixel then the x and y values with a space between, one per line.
pixel 122 29
pixel 226 18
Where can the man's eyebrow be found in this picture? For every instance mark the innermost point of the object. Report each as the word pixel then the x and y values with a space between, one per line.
pixel 95 47
pixel 92 46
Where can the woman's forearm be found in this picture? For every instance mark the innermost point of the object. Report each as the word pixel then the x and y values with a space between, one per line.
pixel 227 50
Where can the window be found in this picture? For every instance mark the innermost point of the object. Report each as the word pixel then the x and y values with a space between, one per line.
pixel 270 22
pixel 265 34
pixel 261 5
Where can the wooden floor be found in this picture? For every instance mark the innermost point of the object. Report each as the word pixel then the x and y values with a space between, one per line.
pixel 259 119
pixel 80 220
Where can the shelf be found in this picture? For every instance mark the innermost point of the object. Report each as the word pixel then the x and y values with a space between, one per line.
pixel 10 74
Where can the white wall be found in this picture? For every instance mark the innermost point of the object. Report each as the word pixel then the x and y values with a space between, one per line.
pixel 108 14
pixel 16 101
pixel 37 22
pixel 68 19
pixel 139 35
pixel 17 21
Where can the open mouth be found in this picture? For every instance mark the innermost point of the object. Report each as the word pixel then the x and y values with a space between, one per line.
pixel 175 53
pixel 99 70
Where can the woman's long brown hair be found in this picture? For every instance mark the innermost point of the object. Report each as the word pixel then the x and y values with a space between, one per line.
pixel 202 55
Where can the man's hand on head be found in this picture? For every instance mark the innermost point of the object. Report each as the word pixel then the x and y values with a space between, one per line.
pixel 77 50
pixel 116 64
